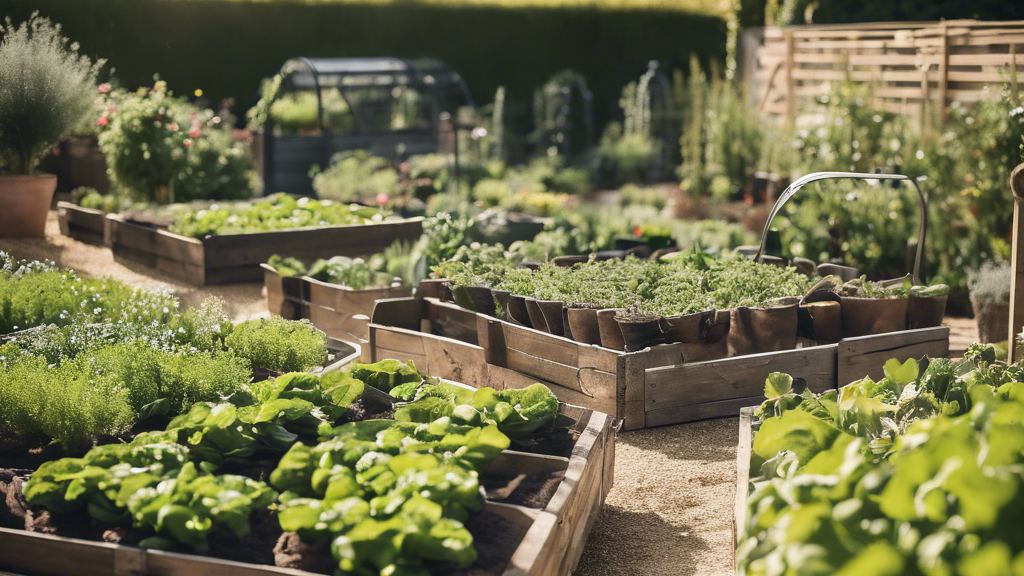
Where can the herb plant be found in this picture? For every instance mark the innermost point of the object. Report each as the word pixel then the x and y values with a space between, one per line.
pixel 278 345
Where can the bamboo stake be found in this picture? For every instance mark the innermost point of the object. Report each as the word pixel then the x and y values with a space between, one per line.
pixel 1017 277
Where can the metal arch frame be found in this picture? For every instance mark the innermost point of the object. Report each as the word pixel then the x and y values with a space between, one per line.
pixel 819 176
pixel 658 78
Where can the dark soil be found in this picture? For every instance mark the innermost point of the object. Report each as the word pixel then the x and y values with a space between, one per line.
pixel 256 547
pixel 292 552
pixel 530 490
pixel 31 456
pixel 495 540
pixel 558 442
pixel 362 409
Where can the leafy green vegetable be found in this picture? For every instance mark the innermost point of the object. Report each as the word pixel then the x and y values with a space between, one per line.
pixel 386 374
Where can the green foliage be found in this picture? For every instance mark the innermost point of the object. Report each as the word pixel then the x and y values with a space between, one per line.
pixel 276 212
pixel 162 149
pixel 37 293
pixel 278 345
pixel 48 89
pixel 887 477
pixel 990 284
pixel 356 175
pixel 386 374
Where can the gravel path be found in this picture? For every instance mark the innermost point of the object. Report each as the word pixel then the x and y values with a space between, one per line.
pixel 670 511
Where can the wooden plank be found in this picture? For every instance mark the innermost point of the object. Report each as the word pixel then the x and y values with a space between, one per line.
pixel 455 360
pixel 451 321
pixel 505 378
pixel 743 450
pixel 630 389
pixel 738 377
pixel 82 224
pixel 790 100
pixel 398 313
pixel 400 340
pixel 541 344
pixel 865 355
pixel 33 553
pixel 694 412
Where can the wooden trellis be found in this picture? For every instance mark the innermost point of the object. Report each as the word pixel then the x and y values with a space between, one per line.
pixel 912 68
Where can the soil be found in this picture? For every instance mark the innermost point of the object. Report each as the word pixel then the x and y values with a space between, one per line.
pixel 558 442
pixel 529 490
pixel 495 540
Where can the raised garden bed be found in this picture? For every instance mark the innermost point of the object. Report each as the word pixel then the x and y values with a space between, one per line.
pixel 339 311
pixel 83 224
pixel 538 513
pixel 651 387
pixel 230 258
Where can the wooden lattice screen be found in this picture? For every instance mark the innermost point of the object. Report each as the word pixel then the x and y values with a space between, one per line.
pixel 911 67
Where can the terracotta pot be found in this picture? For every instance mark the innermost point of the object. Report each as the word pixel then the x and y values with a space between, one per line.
pixel 993 322
pixel 611 334
pixel 482 299
pixel 24 203
pixel 517 311
pixel 821 315
pixel 926 312
pixel 552 311
pixel 584 325
pixel 756 330
pixel 639 333
pixel 537 321
pixel 501 300
pixel 867 316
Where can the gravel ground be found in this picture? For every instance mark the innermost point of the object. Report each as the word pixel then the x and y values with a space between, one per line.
pixel 670 511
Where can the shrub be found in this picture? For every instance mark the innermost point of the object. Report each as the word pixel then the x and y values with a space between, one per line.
pixel 356 175
pixel 159 148
pixel 46 91
pixel 990 285
pixel 279 345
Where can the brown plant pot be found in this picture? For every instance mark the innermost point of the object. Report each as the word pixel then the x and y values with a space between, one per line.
pixel 993 322
pixel 702 335
pixel 483 300
pixel 569 261
pixel 611 334
pixel 584 325
pixel 501 300
pixel 24 203
pixel 687 329
pixel 845 272
pixel 517 311
pixel 927 312
pixel 867 316
pixel 537 321
pixel 640 332
pixel 565 323
pixel 756 330
pixel 553 315
pixel 821 316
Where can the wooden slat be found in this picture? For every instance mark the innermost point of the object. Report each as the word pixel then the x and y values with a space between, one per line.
pixel 865 355
pixel 743 450
pixel 542 345
pixel 695 412
pixel 738 377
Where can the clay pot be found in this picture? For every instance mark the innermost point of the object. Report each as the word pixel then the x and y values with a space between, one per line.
pixel 584 325
pixel 639 332
pixel 993 322
pixel 867 316
pixel 926 312
pixel 517 311
pixel 482 299
pixel 537 321
pixel 24 203
pixel 756 330
pixel 821 315
pixel 611 334
pixel 702 335
pixel 501 300
pixel 552 311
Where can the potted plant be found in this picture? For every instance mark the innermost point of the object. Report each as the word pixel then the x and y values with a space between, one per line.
pixel 46 91
pixel 990 298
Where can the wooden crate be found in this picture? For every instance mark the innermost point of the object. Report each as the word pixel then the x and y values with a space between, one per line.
pixel 743 451
pixel 237 257
pixel 339 311
pixel 552 545
pixel 647 388
pixel 82 224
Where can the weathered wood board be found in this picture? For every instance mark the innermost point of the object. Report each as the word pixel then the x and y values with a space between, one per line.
pixel 652 387
pixel 339 311
pixel 237 257
pixel 82 224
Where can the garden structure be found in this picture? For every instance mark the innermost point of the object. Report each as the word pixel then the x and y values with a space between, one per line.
pixel 319 107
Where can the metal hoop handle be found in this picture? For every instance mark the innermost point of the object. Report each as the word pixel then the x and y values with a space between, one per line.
pixel 818 176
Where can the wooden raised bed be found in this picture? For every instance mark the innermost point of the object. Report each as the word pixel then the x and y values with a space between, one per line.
pixel 339 311
pixel 237 257
pixel 83 224
pixel 551 546
pixel 647 388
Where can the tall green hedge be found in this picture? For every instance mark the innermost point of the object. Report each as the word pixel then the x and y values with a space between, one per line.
pixel 226 47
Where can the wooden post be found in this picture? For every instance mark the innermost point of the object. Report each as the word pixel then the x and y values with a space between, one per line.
pixel 944 74
pixel 1017 276
pixel 790 79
